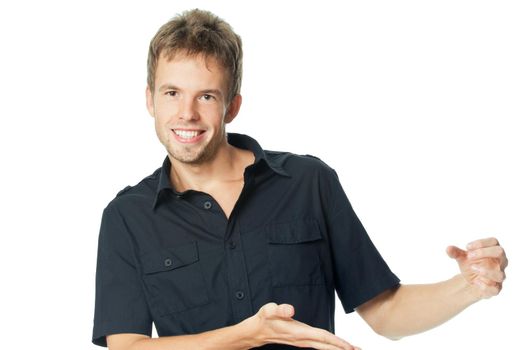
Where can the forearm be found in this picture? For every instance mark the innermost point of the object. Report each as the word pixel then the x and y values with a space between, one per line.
pixel 413 309
pixel 237 337
pixel 271 324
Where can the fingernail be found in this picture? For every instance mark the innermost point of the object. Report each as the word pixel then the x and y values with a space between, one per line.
pixel 475 268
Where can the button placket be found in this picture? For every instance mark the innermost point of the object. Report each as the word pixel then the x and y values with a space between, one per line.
pixel 238 280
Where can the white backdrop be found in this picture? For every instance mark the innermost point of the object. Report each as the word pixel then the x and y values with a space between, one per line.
pixel 420 106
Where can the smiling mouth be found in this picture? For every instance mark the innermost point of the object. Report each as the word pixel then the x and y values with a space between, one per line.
pixel 187 135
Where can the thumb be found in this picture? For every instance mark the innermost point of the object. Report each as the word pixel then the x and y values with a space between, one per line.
pixel 455 252
pixel 285 310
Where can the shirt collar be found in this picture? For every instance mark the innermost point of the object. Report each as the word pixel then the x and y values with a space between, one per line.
pixel 236 140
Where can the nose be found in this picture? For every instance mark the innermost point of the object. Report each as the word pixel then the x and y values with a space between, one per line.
pixel 188 110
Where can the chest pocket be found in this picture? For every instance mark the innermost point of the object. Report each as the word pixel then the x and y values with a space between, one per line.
pixel 174 279
pixel 294 253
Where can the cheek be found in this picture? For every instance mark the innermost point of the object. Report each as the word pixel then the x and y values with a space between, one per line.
pixel 214 115
pixel 160 130
pixel 165 117
pixel 165 112
pixel 165 109
pixel 162 121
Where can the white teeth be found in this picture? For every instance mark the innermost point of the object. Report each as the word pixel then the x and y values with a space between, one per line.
pixel 186 134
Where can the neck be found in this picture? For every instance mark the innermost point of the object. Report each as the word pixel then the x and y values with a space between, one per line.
pixel 227 165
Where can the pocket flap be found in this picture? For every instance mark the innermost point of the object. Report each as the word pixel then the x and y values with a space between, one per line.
pixel 294 232
pixel 170 258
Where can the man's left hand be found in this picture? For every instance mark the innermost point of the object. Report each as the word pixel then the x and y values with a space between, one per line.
pixel 482 265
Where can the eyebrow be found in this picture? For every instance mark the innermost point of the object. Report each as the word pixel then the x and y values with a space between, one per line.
pixel 212 91
pixel 167 87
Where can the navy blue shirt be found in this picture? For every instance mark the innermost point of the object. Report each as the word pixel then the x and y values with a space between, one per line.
pixel 174 259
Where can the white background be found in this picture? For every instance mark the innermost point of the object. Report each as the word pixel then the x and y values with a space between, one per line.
pixel 420 106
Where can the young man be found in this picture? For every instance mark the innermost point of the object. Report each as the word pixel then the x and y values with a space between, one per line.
pixel 228 246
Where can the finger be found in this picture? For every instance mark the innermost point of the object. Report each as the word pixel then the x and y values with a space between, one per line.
pixel 493 275
pixel 504 263
pixel 455 252
pixel 482 243
pixel 268 310
pixel 324 345
pixel 495 252
pixel 332 339
pixel 273 310
pixel 285 310
pixel 322 337
pixel 488 288
pixel 337 341
pixel 321 346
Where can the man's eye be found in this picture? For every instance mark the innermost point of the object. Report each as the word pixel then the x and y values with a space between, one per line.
pixel 207 97
pixel 171 93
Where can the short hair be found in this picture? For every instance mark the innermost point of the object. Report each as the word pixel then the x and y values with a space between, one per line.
pixel 198 32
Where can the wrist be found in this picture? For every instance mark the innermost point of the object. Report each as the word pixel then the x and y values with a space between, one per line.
pixel 251 336
pixel 470 292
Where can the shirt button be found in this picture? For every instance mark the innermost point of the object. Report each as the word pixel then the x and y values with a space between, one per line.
pixel 207 205
pixel 240 295
pixel 168 262
pixel 232 244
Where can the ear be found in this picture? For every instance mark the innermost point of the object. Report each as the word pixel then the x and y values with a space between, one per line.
pixel 233 109
pixel 150 101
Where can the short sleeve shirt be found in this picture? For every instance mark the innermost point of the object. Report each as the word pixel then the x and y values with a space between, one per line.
pixel 175 260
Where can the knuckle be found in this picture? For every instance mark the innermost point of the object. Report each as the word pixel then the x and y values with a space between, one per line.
pixel 494 291
pixel 268 309
pixel 504 275
pixel 501 276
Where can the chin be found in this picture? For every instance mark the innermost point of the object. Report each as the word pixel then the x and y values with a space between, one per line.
pixel 187 157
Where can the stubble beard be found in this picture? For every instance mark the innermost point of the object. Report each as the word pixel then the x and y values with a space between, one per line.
pixel 194 155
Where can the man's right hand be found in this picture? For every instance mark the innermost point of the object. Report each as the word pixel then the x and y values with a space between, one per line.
pixel 271 324
pixel 275 324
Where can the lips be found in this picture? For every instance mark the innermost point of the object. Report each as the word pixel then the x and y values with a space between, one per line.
pixel 188 136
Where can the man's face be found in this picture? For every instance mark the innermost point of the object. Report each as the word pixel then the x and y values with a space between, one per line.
pixel 190 108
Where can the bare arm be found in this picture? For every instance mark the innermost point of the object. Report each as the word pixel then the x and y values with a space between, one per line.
pixel 223 338
pixel 272 324
pixel 411 309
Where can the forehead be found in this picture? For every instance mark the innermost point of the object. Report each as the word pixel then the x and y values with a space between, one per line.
pixel 190 71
